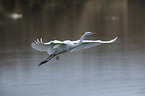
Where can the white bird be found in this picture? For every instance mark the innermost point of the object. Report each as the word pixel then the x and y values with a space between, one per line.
pixel 57 47
pixel 15 16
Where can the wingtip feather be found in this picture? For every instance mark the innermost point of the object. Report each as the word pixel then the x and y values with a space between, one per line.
pixel 114 39
pixel 110 41
pixel 41 40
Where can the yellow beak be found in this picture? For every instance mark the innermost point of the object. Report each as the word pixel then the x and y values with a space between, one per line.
pixel 94 33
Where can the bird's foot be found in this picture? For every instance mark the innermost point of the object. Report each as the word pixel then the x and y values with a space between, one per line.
pixel 43 62
pixel 57 57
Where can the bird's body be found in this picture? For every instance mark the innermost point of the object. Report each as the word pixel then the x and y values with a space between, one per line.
pixel 15 16
pixel 57 47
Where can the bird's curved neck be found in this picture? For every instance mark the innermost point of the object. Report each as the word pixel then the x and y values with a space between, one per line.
pixel 81 39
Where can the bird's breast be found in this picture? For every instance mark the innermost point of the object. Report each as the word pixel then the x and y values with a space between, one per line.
pixel 56 46
pixel 61 48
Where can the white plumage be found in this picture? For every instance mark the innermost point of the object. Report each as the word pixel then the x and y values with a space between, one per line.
pixel 57 47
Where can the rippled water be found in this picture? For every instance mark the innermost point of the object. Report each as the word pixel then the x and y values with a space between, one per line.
pixel 116 69
pixel 96 71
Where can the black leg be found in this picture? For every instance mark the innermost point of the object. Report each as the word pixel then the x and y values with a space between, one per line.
pixel 50 57
pixel 45 61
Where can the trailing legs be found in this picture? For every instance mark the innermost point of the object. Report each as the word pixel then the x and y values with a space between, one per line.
pixel 49 58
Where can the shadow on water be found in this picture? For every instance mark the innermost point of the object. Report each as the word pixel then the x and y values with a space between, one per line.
pixel 115 69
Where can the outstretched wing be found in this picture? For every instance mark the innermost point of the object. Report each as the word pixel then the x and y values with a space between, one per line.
pixel 91 43
pixel 41 46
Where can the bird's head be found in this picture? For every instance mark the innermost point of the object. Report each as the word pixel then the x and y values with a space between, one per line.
pixel 90 33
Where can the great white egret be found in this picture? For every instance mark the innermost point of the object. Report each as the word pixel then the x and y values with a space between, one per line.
pixel 57 47
pixel 15 16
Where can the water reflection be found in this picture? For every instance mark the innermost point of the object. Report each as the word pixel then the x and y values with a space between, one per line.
pixel 115 69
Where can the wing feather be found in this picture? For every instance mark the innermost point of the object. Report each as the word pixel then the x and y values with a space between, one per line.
pixel 39 45
pixel 90 43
